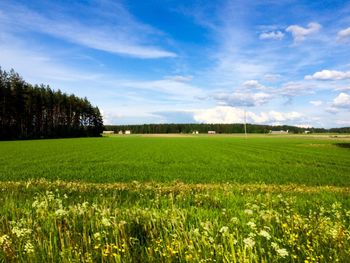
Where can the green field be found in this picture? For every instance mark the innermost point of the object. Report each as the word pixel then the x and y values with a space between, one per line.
pixel 181 199
pixel 277 160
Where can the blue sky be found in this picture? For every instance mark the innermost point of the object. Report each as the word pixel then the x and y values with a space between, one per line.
pixel 159 61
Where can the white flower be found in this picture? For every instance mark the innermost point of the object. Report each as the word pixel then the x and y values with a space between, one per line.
pixel 265 234
pixel 251 224
pixel 282 252
pixel 61 212
pixel 249 242
pixel 248 211
pixel 234 220
pixel 223 230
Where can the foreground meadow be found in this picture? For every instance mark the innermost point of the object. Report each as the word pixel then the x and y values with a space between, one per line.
pixel 192 199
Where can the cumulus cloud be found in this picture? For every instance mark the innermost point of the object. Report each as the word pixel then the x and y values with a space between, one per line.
pixel 227 114
pixel 275 35
pixel 316 102
pixel 342 101
pixel 343 34
pixel 299 33
pixel 253 84
pixel 329 75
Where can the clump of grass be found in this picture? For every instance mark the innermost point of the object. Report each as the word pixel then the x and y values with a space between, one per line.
pixel 168 223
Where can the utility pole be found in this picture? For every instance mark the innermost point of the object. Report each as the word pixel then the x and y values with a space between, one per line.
pixel 245 123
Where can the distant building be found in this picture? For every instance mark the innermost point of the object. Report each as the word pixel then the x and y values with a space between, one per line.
pixel 211 132
pixel 108 132
pixel 120 132
pixel 306 132
pixel 195 132
pixel 279 132
pixel 127 132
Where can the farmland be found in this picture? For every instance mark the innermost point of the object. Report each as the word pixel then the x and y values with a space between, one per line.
pixel 176 199
pixel 205 159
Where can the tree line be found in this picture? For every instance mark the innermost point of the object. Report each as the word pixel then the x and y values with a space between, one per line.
pixel 218 128
pixel 36 111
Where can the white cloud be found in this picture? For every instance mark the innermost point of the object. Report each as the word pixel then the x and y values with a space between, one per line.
pixel 180 89
pixel 227 114
pixel 275 35
pixel 253 84
pixel 343 122
pixel 329 75
pixel 292 89
pixel 180 78
pixel 342 101
pixel 342 88
pixel 125 37
pixel 247 99
pixel 345 33
pixel 272 77
pixel 316 102
pixel 300 33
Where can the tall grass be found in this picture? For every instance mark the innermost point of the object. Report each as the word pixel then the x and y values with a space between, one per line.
pixel 45 221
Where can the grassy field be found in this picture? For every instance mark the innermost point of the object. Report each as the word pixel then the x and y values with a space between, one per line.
pixel 180 199
pixel 279 160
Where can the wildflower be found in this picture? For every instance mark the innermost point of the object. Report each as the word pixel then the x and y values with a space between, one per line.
pixel 251 224
pixel 282 252
pixel 223 230
pixel 234 220
pixel 97 235
pixel 61 213
pixel 29 248
pixel 265 234
pixel 105 222
pixel 249 242
pixel 248 211
pixel 21 232
pixel 196 232
pixel 4 239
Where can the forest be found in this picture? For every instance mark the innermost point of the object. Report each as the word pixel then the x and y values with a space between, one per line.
pixel 219 128
pixel 37 111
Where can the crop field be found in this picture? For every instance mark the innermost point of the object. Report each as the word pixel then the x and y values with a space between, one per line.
pixel 175 199
pixel 279 160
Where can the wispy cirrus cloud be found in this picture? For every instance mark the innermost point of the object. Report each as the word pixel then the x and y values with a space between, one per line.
pixel 344 34
pixel 124 36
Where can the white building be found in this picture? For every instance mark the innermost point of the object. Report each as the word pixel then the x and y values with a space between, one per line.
pixel 211 132
pixel 127 132
pixel 108 132
pixel 195 132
